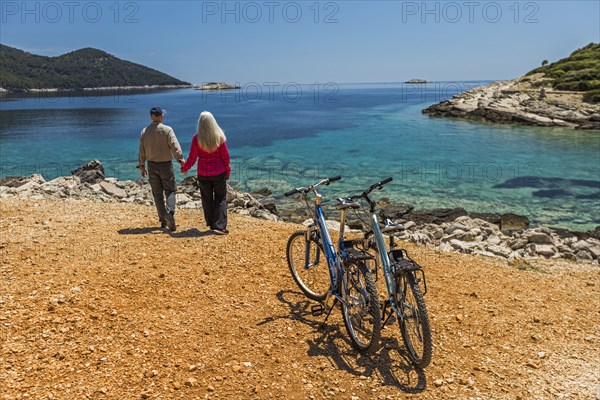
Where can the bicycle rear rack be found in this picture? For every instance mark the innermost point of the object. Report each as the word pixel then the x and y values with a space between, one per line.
pixel 404 264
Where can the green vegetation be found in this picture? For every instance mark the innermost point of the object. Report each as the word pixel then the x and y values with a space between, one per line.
pixel 579 72
pixel 592 96
pixel 85 68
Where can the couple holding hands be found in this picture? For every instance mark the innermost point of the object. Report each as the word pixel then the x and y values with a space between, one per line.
pixel 159 145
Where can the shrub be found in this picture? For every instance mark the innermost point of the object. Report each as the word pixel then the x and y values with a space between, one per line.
pixel 592 96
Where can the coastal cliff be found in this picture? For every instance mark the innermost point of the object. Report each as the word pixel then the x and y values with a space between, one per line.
pixel 564 93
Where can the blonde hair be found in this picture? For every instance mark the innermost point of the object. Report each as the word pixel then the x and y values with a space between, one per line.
pixel 210 134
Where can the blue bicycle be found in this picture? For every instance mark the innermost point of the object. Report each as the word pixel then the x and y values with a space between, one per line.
pixel 403 280
pixel 322 271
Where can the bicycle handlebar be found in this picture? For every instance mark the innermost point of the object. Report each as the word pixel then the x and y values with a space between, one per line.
pixel 310 188
pixel 365 194
pixel 378 185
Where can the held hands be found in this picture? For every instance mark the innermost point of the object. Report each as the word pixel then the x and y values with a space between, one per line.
pixel 181 162
pixel 143 171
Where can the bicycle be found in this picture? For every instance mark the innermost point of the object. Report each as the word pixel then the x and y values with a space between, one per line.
pixel 403 277
pixel 348 280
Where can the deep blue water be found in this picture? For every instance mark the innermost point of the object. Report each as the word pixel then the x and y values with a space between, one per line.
pixel 363 132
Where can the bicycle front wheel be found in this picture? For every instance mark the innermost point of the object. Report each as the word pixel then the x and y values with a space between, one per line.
pixel 414 321
pixel 362 316
pixel 308 264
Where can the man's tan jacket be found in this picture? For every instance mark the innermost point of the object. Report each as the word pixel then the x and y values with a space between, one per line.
pixel 158 143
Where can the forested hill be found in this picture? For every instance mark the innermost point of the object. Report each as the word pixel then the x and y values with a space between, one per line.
pixel 84 68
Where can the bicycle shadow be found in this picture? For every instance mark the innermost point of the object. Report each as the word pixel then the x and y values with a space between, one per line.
pixel 390 362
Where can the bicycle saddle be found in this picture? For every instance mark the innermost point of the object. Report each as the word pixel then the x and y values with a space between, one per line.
pixel 391 227
pixel 346 203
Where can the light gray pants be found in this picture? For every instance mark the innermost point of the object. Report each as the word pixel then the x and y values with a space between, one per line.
pixel 162 182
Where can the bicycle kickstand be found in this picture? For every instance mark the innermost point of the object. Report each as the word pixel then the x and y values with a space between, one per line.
pixel 384 306
pixel 335 300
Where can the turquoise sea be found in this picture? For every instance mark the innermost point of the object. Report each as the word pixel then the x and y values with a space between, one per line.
pixel 281 136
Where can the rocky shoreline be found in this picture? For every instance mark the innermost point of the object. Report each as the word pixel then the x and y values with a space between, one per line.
pixel 523 101
pixel 505 236
pixel 87 89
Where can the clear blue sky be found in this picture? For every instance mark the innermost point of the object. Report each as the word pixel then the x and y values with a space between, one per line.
pixel 309 41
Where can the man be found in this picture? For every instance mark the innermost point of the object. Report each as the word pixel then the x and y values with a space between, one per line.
pixel 158 146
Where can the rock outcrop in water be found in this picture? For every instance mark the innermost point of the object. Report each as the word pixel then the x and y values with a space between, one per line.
pixel 564 93
pixel 217 86
pixel 521 101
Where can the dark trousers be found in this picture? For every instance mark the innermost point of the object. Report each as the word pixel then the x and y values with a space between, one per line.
pixel 162 182
pixel 213 190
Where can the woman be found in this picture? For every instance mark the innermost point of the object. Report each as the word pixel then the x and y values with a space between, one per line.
pixel 209 147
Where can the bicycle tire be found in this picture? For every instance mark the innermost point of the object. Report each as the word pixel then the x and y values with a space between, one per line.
pixel 313 280
pixel 364 325
pixel 414 324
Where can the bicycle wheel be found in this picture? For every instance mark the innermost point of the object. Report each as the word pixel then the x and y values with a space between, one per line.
pixel 308 264
pixel 362 315
pixel 414 322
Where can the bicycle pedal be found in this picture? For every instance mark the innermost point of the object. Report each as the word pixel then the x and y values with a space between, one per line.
pixel 317 310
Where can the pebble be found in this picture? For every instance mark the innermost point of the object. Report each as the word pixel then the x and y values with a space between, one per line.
pixel 191 382
pixel 438 382
pixel 150 374
pixel 531 364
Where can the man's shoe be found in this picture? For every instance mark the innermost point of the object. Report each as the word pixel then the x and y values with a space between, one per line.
pixel 221 231
pixel 163 224
pixel 170 221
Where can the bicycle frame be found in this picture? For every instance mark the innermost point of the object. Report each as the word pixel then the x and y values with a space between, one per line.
pixel 334 262
pixel 386 265
pixel 381 247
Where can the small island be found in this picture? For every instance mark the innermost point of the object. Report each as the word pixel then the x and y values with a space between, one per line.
pixel 565 93
pixel 416 81
pixel 216 86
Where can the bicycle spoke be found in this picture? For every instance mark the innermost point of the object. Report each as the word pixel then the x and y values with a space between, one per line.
pixel 361 308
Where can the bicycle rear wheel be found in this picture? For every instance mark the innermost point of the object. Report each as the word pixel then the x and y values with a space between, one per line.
pixel 414 322
pixel 308 264
pixel 362 315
